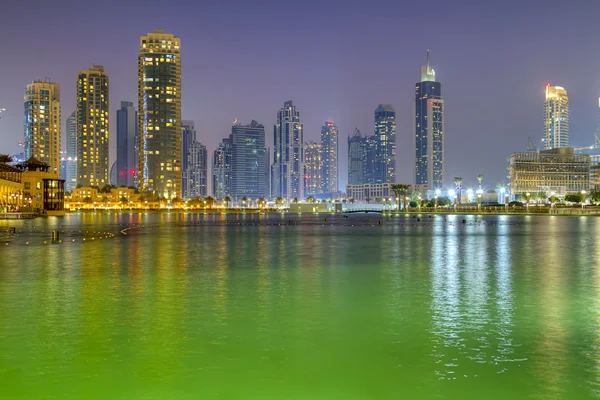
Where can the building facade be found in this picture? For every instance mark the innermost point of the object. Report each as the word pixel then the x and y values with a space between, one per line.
pixel 42 124
pixel 385 152
pixel 556 117
pixel 188 137
pixel 429 131
pixel 159 107
pixel 313 165
pixel 329 148
pixel 367 193
pixel 70 160
pixel 197 171
pixel 356 158
pixel 92 127
pixel 249 162
pixel 288 154
pixel 221 169
pixel 557 170
pixel 127 132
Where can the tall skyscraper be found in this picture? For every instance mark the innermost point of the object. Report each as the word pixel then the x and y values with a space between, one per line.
pixel 313 165
pixel 429 131
pixel 188 137
pixel 356 158
pixel 221 169
pixel 92 127
pixel 42 123
pixel 288 154
pixel 127 139
pixel 249 163
pixel 159 105
pixel 385 134
pixel 196 172
pixel 556 117
pixel 329 145
pixel 71 153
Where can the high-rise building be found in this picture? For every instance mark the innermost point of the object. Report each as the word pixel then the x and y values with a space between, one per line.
pixel 92 127
pixel 159 106
pixel 196 172
pixel 42 123
pixel 127 139
pixel 356 158
pixel 188 136
pixel 221 169
pixel 556 117
pixel 329 145
pixel 313 165
pixel 71 153
pixel 288 154
pixel 385 152
pixel 429 131
pixel 249 163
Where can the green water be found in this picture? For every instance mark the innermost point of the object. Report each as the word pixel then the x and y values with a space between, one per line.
pixel 193 307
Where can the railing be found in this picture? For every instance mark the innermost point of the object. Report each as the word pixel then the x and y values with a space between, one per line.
pixel 18 215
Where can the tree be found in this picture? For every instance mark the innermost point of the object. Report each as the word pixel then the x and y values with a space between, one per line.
pixel 458 183
pixel 377 200
pixel 368 199
pixel 574 198
pixel 262 202
pixel 227 200
pixel 352 200
pixel 123 200
pixel 595 196
pixel 401 190
pixel 310 199
pixel 443 201
pixel 296 200
pixel 279 201
pixel 175 200
pixel 210 201
pixel 87 200
pixel 244 201
pixel 5 158
pixel 107 188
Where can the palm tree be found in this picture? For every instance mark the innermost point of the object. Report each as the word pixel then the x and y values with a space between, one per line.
pixel 5 158
pixel 310 199
pixel 368 199
pixel 401 190
pixel 123 201
pixel 262 202
pixel 352 200
pixel 458 183
pixel 279 201
pixel 227 200
pixel 296 200
pixel 244 201
pixel 210 201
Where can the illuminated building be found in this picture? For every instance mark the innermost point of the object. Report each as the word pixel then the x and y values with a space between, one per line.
pixel 556 117
pixel 288 154
pixel 249 162
pixel 196 171
pixel 127 132
pixel 188 136
pixel 70 160
pixel 329 150
pixel 370 192
pixel 159 107
pixel 313 164
pixel 221 169
pixel 92 127
pixel 429 131
pixel 361 158
pixel 42 124
pixel 557 170
pixel 385 151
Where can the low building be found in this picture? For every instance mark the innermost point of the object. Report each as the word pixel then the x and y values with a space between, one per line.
pixel 559 171
pixel 311 208
pixel 11 187
pixel 367 193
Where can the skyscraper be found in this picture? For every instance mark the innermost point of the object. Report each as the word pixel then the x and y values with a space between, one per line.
pixel 249 163
pixel 188 137
pixel 313 164
pixel 92 127
pixel 356 158
pixel 429 131
pixel 556 117
pixel 385 135
pixel 42 123
pixel 127 151
pixel 196 172
pixel 288 154
pixel 221 170
pixel 159 105
pixel 329 145
pixel 71 153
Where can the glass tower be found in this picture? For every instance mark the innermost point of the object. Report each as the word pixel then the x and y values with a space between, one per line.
pixel 329 146
pixel 196 172
pixel 429 131
pixel 71 153
pixel 556 117
pixel 222 169
pixel 313 164
pixel 159 105
pixel 42 124
pixel 127 136
pixel 92 127
pixel 385 136
pixel 288 154
pixel 249 163
pixel 188 137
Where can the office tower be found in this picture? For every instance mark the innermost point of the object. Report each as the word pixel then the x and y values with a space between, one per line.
pixel 188 137
pixel 288 154
pixel 92 127
pixel 159 107
pixel 71 153
pixel 249 167
pixel 556 117
pixel 385 135
pixel 42 123
pixel 313 165
pixel 196 172
pixel 221 170
pixel 356 158
pixel 429 131
pixel 329 146
pixel 127 131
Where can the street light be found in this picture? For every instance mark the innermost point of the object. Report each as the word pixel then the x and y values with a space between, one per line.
pixel 583 192
pixel 528 195
pixel 479 194
pixel 452 195
pixel 437 194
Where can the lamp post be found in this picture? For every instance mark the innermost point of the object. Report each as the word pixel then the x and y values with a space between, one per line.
pixel 437 194
pixel 552 200
pixel 528 196
pixel 419 198
pixel 452 195
pixel 583 192
pixel 479 194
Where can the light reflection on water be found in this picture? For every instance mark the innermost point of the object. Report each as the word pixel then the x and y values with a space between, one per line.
pixel 494 307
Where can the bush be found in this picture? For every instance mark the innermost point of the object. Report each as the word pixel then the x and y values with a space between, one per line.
pixel 413 204
pixel 516 204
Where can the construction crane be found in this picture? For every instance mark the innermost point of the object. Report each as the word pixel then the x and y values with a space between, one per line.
pixel 596 144
pixel 533 147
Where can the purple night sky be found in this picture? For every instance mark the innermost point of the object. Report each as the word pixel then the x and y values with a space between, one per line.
pixel 335 59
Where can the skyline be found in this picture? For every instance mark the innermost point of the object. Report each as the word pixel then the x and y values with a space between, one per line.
pixel 336 79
